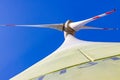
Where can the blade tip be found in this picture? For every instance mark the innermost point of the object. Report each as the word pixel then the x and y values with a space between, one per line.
pixel 112 11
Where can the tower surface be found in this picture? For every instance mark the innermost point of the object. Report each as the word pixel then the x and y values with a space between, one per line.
pixel 77 60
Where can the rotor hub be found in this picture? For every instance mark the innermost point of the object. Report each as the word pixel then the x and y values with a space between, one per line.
pixel 67 28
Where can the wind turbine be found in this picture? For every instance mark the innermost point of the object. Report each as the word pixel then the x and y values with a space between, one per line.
pixel 76 59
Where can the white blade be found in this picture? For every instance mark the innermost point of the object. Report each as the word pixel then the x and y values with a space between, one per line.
pixel 78 25
pixel 98 28
pixel 53 26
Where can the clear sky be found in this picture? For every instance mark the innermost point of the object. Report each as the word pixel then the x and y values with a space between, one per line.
pixel 22 47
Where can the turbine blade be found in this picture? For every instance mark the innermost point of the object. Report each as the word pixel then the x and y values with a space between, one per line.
pixel 104 14
pixel 78 25
pixel 98 28
pixel 53 26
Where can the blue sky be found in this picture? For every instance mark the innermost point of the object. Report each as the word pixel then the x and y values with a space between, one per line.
pixel 22 47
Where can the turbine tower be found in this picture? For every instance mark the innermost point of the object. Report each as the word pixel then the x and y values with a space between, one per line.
pixel 76 59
